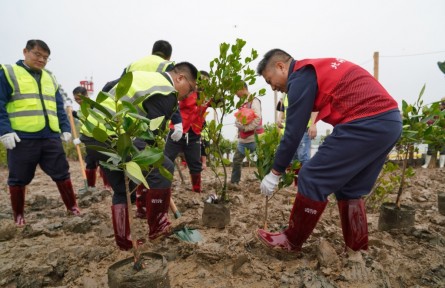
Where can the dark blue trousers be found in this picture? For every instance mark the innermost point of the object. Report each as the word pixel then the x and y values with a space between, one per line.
pixel 350 159
pixel 117 178
pixel 190 144
pixel 28 153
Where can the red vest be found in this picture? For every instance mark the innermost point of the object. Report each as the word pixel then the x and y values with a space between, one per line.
pixel 193 116
pixel 258 130
pixel 346 91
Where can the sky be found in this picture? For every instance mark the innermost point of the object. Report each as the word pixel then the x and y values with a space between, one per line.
pixel 97 39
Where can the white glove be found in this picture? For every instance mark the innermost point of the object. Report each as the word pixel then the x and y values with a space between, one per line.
pixel 76 141
pixel 177 133
pixel 269 184
pixel 66 136
pixel 9 140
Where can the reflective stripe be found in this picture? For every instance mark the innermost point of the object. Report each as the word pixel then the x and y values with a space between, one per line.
pixel 32 96
pixel 31 113
pixel 14 81
pixel 31 102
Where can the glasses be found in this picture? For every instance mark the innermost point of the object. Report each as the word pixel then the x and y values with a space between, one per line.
pixel 38 55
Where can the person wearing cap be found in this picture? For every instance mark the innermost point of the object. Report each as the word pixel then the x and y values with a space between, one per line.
pixel 33 124
pixel 367 125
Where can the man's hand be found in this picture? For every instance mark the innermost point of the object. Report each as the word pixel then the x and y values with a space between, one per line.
pixel 177 133
pixel 9 140
pixel 239 126
pixel 269 184
pixel 65 136
pixel 312 131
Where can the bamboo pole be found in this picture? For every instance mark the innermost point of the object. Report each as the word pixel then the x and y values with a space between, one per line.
pixel 376 65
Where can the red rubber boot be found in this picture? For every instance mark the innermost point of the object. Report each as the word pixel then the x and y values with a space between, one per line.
pixel 196 182
pixel 141 195
pixel 303 218
pixel 104 179
pixel 91 177
pixel 17 194
pixel 66 191
pixel 157 204
pixel 354 223
pixel 121 226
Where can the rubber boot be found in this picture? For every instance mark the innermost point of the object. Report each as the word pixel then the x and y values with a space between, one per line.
pixel 157 204
pixel 91 177
pixel 17 194
pixel 303 218
pixel 296 171
pixel 66 191
pixel 427 161
pixel 121 226
pixel 141 193
pixel 104 179
pixel 441 161
pixel 196 182
pixel 354 223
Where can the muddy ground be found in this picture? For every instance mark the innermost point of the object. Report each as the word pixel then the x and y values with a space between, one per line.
pixel 56 250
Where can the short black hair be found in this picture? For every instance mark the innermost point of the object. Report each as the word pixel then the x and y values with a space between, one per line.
pixel 80 90
pixel 275 55
pixel 163 49
pixel 35 42
pixel 204 73
pixel 187 68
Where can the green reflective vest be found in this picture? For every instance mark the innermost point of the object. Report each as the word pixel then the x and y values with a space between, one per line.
pixel 150 63
pixel 28 105
pixel 145 84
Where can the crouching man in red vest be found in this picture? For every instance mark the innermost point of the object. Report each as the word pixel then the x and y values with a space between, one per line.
pixel 367 125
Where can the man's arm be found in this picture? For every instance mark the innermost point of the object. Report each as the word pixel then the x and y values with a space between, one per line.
pixel 301 96
pixel 5 92
pixel 64 123
pixel 312 130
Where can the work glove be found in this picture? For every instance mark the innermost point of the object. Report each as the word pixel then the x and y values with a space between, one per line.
pixel 65 136
pixel 9 140
pixel 177 133
pixel 76 141
pixel 269 183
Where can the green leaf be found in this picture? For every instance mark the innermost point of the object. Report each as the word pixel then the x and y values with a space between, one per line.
pixel 129 107
pixel 100 135
pixel 164 172
pixel 149 156
pixel 156 122
pixel 124 85
pixel 124 143
pixel 134 172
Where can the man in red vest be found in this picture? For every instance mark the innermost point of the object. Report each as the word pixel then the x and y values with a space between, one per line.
pixel 367 124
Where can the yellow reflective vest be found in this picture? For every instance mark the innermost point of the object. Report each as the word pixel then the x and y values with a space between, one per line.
pixel 28 105
pixel 145 84
pixel 150 63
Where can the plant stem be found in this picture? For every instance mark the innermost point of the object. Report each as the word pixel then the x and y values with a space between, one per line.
pixel 136 252
pixel 265 213
pixel 402 179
